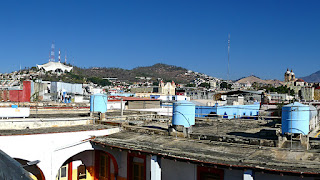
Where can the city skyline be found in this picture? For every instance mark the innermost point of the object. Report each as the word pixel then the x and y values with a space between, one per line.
pixel 267 37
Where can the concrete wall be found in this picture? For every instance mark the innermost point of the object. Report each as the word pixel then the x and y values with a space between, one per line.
pixel 228 111
pixel 21 95
pixel 34 123
pixel 171 169
pixel 115 105
pixel 142 90
pixel 51 149
pixel 317 94
pixel 123 94
pixel 143 104
pixel 18 112
pixel 182 170
pixel 178 170
pixel 238 111
pixel 197 94
pixel 4 95
pixel 66 87
pixel 41 89
pixel 233 174
pixel 307 93
pixel 172 97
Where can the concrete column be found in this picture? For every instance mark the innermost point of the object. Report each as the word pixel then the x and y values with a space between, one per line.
pixel 102 116
pixel 248 175
pixel 121 107
pixel 155 168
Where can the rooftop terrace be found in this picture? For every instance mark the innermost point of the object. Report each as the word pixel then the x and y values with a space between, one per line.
pixel 216 153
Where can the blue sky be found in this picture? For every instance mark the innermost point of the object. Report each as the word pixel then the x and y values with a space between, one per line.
pixel 267 36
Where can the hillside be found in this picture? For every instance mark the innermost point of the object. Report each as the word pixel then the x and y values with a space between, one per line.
pixel 314 77
pixel 163 71
pixel 254 79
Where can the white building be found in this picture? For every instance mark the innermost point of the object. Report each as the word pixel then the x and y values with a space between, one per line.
pixel 54 67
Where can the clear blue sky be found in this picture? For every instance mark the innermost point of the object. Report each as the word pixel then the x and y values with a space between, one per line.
pixel 267 36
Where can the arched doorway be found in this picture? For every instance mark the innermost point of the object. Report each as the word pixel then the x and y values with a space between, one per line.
pixel 89 164
pixel 106 166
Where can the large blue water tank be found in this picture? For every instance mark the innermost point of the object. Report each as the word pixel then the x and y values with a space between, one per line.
pixel 295 118
pixel 183 113
pixel 98 103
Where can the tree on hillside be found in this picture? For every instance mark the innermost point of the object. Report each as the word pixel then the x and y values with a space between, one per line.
pixel 280 90
pixel 205 85
pixel 225 85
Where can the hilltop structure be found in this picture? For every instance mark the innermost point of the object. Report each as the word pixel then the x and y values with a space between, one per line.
pixel 54 67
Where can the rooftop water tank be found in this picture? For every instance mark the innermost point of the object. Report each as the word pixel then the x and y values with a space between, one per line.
pixel 295 118
pixel 183 113
pixel 98 103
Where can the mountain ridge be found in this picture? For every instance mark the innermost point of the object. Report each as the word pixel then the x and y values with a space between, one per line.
pixel 254 79
pixel 312 78
pixel 159 70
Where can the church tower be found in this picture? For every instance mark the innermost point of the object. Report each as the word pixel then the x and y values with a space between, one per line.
pixel 293 76
pixel 287 76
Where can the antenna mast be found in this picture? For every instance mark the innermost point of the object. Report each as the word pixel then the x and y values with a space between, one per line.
pixel 59 56
pixel 228 56
pixel 52 52
pixel 65 57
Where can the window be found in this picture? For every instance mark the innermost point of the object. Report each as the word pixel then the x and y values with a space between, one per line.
pixel 208 173
pixel 82 172
pixel 104 167
pixel 62 173
pixel 136 167
pixel 138 171
pixel 209 176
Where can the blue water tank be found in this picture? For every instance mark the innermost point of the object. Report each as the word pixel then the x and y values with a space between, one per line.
pixel 98 103
pixel 183 113
pixel 295 118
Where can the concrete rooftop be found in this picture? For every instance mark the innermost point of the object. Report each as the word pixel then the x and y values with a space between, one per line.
pixel 233 155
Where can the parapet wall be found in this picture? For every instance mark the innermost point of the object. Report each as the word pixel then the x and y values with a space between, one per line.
pixel 35 123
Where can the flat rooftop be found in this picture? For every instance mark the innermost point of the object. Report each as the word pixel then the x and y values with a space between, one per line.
pixel 83 112
pixel 216 153
pixel 230 143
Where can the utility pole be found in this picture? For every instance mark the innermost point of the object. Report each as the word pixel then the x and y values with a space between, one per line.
pixel 228 56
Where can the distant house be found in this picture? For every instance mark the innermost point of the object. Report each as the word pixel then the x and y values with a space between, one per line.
pixel 168 88
pixel 141 103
